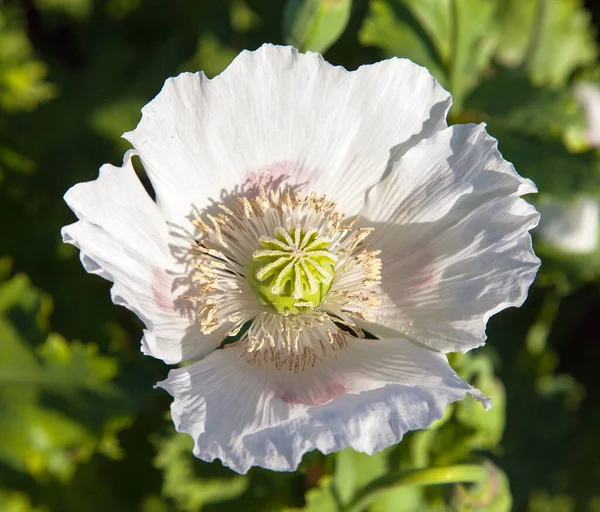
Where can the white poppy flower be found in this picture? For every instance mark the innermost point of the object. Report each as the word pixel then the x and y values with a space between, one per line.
pixel 308 210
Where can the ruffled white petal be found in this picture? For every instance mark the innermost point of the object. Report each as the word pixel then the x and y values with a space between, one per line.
pixel 367 398
pixel 570 227
pixel 454 235
pixel 124 238
pixel 293 115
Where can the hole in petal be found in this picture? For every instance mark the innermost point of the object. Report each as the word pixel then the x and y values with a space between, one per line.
pixel 143 176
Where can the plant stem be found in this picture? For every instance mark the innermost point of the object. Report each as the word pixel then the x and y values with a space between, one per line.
pixel 461 473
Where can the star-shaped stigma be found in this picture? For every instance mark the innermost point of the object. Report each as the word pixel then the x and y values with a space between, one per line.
pixel 293 270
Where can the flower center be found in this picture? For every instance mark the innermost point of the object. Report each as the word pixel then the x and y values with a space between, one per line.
pixel 314 279
pixel 292 271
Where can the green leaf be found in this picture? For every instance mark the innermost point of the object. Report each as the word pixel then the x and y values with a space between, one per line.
pixel 14 501
pixel 436 21
pixel 22 77
pixel 473 42
pixel 57 404
pixel 527 109
pixel 458 39
pixel 552 38
pixel 353 470
pixel 542 501
pixel 487 426
pixel 315 25
pixel 531 124
pixel 454 39
pixel 321 498
pixel 77 9
pixel 422 442
pixel 393 28
pixel 112 119
pixel 186 479
pixel 211 56
pixel 516 19
pixel 242 17
pixel 548 163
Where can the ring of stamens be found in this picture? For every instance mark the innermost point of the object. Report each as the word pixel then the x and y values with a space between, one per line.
pixel 290 270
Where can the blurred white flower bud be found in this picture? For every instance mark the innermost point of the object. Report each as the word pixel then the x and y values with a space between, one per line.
pixel 570 227
pixel 588 96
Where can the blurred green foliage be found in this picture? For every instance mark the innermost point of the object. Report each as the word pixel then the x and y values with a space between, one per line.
pixel 22 77
pixel 57 403
pixel 315 24
pixel 81 428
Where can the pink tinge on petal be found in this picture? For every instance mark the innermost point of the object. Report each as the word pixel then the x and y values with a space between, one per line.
pixel 425 275
pixel 277 174
pixel 161 291
pixel 419 269
pixel 312 398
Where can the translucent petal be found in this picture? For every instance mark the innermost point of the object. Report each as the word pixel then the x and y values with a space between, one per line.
pixel 277 114
pixel 367 398
pixel 124 238
pixel 454 236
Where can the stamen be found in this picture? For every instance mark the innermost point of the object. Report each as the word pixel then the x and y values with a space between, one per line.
pixel 291 270
pixel 296 341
